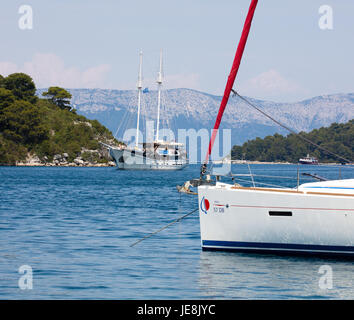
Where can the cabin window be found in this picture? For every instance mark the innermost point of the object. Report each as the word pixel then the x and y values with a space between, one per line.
pixel 281 213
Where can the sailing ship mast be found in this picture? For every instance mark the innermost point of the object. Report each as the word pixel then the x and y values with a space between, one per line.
pixel 139 86
pixel 161 155
pixel 159 84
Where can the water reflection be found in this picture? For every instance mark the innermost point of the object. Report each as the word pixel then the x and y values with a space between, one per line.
pixel 228 275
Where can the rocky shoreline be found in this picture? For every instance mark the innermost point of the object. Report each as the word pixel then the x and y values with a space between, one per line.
pixel 62 160
pixel 71 164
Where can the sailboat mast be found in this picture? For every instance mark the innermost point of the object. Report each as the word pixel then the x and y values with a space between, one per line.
pixel 139 86
pixel 231 78
pixel 159 84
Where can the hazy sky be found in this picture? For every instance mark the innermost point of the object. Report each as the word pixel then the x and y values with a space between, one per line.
pixel 95 44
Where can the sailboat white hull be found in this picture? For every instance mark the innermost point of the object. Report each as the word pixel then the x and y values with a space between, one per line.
pixel 276 220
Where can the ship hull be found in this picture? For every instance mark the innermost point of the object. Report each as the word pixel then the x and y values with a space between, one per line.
pixel 308 162
pixel 125 161
pixel 291 222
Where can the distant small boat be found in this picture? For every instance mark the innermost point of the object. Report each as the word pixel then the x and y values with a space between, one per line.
pixel 308 160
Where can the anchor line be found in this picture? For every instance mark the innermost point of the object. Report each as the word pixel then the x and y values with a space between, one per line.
pixel 163 228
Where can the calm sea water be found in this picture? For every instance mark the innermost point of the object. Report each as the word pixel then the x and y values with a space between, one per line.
pixel 74 228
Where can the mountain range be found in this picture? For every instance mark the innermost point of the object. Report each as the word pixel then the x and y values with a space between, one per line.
pixel 187 108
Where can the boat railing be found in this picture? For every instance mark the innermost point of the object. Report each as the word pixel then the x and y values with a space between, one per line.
pixel 291 179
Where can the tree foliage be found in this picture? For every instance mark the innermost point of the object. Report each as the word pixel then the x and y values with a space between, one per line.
pixel 22 86
pixel 21 122
pixel 6 98
pixel 337 138
pixel 44 127
pixel 59 96
pixel 2 81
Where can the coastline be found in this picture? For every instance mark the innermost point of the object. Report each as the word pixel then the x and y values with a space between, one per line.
pixel 265 162
pixel 109 164
pixel 82 163
pixel 96 158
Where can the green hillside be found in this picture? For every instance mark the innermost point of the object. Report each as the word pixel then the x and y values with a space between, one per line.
pixel 337 138
pixel 45 127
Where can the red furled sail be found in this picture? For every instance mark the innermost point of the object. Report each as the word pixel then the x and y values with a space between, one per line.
pixel 232 75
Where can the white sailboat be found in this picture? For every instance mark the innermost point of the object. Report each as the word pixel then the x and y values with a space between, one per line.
pixel 156 155
pixel 315 218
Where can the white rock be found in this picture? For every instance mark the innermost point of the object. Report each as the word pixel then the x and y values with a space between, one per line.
pixel 78 161
pixel 57 157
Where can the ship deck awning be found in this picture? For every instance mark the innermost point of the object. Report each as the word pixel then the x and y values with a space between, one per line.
pixel 168 144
